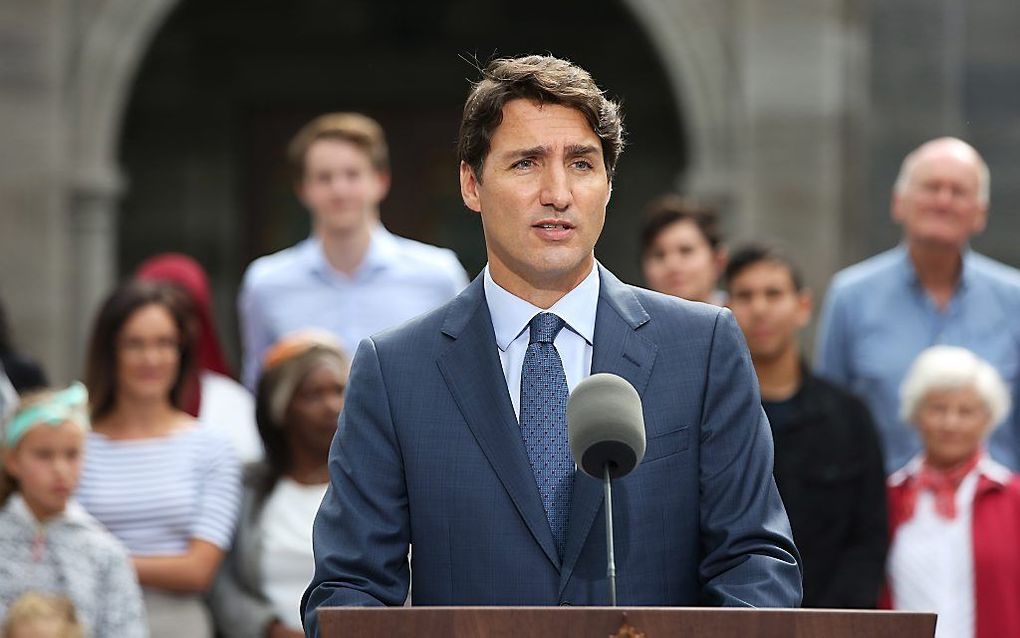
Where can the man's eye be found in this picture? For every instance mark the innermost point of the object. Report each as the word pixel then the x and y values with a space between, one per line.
pixel 524 163
pixel 584 165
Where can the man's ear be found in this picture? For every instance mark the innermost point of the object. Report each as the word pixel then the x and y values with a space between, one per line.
pixel 805 306
pixel 299 191
pixel 895 208
pixel 469 188
pixel 981 219
pixel 383 182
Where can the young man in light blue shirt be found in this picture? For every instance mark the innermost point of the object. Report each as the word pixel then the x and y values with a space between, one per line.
pixel 352 277
pixel 931 289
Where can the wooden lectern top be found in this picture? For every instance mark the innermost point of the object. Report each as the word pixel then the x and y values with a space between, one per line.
pixel 620 622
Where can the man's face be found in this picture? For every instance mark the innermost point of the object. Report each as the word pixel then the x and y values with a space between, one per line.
pixel 940 205
pixel 340 186
pixel 542 196
pixel 768 308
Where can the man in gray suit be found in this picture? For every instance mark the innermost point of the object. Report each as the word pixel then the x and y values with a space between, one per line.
pixel 453 439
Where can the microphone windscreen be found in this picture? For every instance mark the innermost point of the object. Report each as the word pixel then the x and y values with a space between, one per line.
pixel 605 426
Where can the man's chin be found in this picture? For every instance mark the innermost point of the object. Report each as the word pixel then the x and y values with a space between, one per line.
pixel 938 239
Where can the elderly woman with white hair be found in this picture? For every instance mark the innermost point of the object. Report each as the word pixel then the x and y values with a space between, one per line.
pixel 954 514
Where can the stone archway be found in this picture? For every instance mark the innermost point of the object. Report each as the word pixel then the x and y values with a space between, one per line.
pixel 687 35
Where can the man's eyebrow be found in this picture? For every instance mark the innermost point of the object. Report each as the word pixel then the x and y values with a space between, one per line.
pixel 526 152
pixel 574 150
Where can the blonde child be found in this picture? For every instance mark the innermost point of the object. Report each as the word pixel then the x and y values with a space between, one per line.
pixel 39 616
pixel 48 543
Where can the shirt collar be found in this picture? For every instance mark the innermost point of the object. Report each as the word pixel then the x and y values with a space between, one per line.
pixel 986 467
pixel 382 253
pixel 73 512
pixel 511 314
pixel 910 272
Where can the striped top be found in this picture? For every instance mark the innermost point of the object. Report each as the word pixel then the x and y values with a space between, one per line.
pixel 157 494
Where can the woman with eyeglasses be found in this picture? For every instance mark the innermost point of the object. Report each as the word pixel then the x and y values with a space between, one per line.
pixel 166 487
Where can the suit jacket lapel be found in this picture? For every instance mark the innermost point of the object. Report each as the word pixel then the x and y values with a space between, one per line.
pixel 474 375
pixel 619 349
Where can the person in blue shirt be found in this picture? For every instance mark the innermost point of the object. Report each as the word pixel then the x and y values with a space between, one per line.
pixel 352 277
pixel 930 289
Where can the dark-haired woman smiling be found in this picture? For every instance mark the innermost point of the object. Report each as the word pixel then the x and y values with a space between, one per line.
pixel 166 487
pixel 300 395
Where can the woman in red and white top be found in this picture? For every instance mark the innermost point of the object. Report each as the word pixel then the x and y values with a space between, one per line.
pixel 954 514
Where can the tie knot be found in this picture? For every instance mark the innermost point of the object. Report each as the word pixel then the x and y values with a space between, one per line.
pixel 544 327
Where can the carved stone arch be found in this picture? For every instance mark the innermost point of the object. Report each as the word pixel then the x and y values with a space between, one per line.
pixel 689 38
pixel 686 34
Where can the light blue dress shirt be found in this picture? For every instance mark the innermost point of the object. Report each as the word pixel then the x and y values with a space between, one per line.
pixel 511 316
pixel 297 288
pixel 877 318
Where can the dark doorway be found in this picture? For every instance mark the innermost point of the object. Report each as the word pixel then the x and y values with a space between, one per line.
pixel 226 83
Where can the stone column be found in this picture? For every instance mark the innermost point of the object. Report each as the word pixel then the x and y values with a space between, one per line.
pixel 800 78
pixel 93 236
pixel 33 239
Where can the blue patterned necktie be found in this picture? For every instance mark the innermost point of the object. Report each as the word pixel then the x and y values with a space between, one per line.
pixel 544 423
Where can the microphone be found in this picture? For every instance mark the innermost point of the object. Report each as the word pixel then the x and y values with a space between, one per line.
pixel 606 433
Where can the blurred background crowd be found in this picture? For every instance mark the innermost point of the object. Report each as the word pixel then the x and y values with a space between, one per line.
pixel 205 206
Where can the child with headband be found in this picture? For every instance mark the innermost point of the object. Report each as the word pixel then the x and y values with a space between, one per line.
pixel 48 543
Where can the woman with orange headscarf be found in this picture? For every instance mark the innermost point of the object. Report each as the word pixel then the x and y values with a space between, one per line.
pixel 300 394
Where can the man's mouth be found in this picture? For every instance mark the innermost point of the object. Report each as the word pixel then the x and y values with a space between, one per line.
pixel 554 225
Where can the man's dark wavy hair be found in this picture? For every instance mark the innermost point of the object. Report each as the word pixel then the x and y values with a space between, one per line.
pixel 545 80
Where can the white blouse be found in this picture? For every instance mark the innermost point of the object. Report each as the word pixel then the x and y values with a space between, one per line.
pixel 931 562
pixel 287 562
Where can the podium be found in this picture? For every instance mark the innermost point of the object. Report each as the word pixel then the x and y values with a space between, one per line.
pixel 619 622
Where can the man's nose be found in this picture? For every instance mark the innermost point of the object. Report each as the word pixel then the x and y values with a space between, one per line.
pixel 758 305
pixel 341 184
pixel 555 188
pixel 944 196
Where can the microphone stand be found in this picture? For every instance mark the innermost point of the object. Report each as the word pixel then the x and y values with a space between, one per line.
pixel 610 554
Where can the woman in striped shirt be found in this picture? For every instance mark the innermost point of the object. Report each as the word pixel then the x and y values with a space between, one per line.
pixel 168 488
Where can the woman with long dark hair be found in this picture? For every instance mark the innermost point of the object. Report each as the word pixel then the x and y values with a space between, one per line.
pixel 299 398
pixel 219 402
pixel 166 487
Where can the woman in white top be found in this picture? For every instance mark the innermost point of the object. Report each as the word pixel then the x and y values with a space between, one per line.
pixel 300 394
pixel 954 513
pixel 165 487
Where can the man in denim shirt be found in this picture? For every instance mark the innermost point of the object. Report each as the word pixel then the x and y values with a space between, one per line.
pixel 930 289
